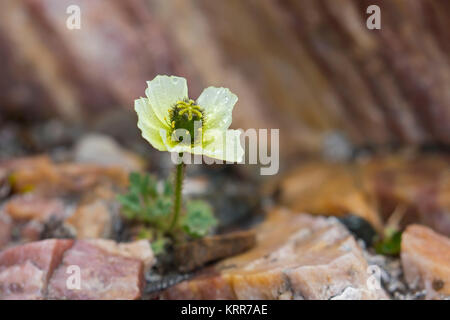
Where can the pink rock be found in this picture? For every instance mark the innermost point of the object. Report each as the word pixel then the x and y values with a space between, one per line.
pixel 25 269
pixel 104 273
pixel 22 282
pixel 45 254
pixel 140 250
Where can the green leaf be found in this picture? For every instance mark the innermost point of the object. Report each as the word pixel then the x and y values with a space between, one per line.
pixel 199 219
pixel 391 244
pixel 152 207
pixel 130 201
pixel 159 245
pixel 150 186
pixel 162 207
pixel 135 178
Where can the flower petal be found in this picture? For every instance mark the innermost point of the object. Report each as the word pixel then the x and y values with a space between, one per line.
pixel 223 144
pixel 218 104
pixel 149 123
pixel 218 144
pixel 163 92
pixel 171 144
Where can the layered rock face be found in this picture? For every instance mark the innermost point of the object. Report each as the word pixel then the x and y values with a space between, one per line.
pixel 42 270
pixel 297 256
pixel 426 261
pixel 323 72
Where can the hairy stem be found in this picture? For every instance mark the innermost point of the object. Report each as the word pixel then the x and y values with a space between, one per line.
pixel 178 185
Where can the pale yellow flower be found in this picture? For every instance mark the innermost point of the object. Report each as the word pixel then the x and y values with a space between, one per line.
pixel 167 115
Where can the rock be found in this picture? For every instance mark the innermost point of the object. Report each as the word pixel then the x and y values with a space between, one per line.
pixel 105 274
pixel 5 229
pixel 27 172
pixel 91 220
pixel 79 177
pixel 52 191
pixel 370 86
pixel 34 207
pixel 26 269
pixel 194 254
pixel 425 257
pixel 40 175
pixel 30 231
pixel 55 228
pixel 297 256
pixel 139 249
pixel 360 228
pixel 328 189
pixel 29 214
pixel 374 188
pixel 419 185
pixel 103 150
pixel 22 282
pixel 109 270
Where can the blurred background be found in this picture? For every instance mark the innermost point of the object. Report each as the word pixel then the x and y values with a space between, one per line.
pixel 311 68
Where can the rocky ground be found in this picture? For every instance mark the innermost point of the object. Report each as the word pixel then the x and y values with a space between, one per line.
pixel 309 238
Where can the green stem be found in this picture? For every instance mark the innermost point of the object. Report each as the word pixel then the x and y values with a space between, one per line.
pixel 177 187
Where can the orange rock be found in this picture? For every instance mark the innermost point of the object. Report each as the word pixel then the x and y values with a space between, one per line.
pixel 297 256
pixel 27 173
pixel 375 188
pixel 40 174
pixel 425 257
pixel 328 189
pixel 91 220
pixel 418 185
pixel 34 207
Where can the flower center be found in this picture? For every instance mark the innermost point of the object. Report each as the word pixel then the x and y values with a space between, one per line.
pixel 188 116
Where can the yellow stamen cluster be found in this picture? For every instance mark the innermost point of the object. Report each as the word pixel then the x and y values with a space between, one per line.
pixel 184 115
pixel 190 107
